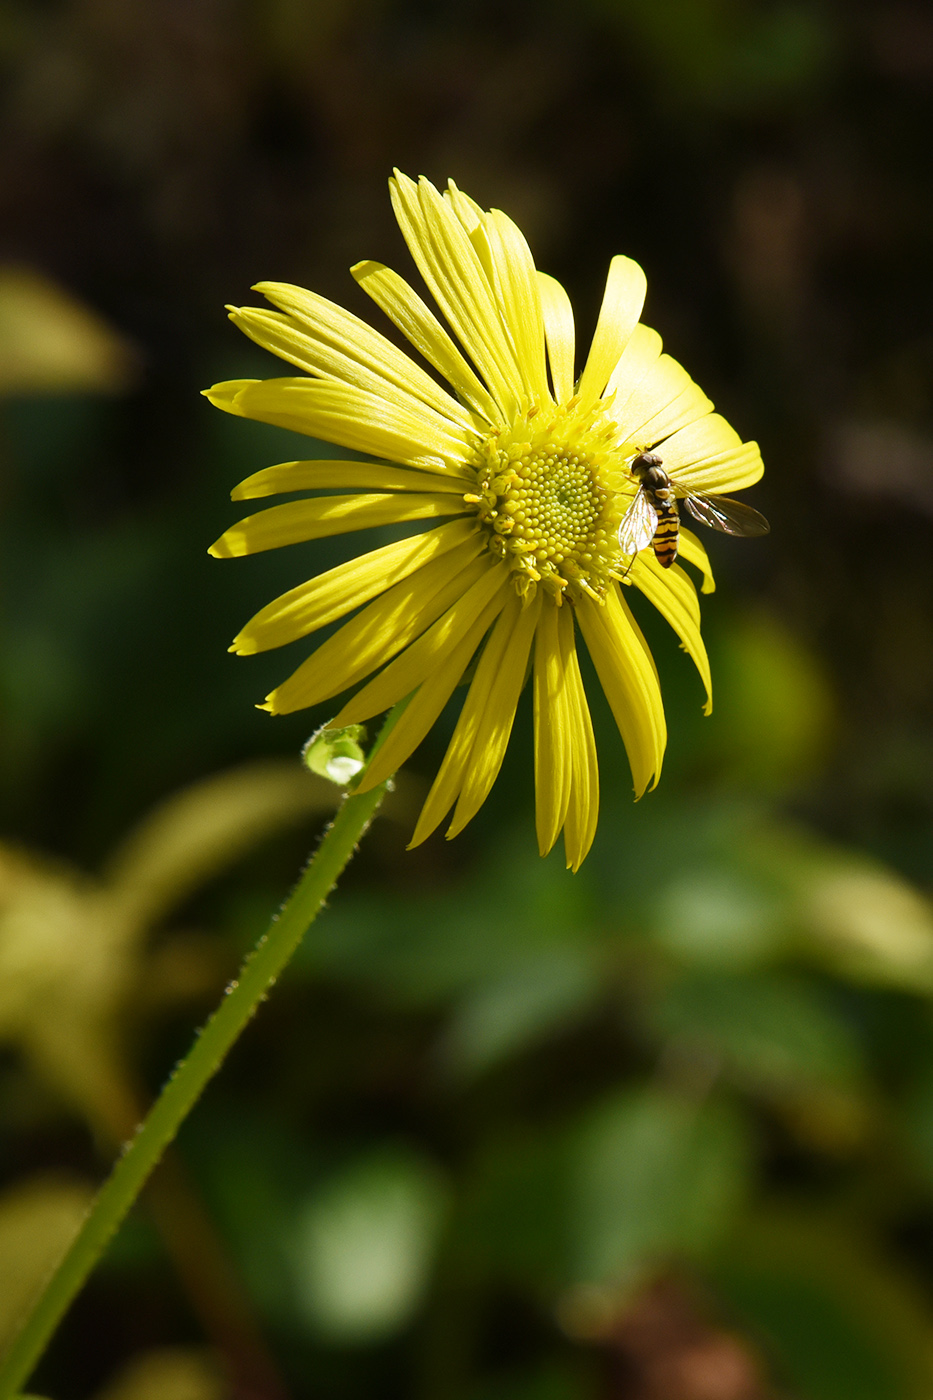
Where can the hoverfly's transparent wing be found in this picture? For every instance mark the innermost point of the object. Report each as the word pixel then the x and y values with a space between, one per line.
pixel 722 513
pixel 638 525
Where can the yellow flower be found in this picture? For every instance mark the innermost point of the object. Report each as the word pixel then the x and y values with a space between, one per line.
pixel 524 476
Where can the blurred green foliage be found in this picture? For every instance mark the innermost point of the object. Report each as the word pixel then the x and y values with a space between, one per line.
pixel 659 1131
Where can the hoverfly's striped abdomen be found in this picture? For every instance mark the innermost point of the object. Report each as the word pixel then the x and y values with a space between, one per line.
pixel 667 535
pixel 653 519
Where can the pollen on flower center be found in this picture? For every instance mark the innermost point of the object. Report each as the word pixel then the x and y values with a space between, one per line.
pixel 545 497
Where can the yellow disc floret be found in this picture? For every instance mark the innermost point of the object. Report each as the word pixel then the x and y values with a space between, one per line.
pixel 548 492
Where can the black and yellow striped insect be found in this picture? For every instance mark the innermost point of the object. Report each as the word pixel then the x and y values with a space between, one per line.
pixel 653 517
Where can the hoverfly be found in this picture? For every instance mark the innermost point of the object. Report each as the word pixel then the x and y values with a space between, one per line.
pixel 653 517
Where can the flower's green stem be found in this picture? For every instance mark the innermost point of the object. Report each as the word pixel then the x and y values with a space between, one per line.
pixel 178 1097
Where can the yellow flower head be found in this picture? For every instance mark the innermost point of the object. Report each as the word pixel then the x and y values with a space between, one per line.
pixel 525 477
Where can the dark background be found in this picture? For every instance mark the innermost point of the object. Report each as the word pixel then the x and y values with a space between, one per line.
pixel 659 1131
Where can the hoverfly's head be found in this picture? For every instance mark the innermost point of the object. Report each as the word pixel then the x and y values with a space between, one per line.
pixel 648 470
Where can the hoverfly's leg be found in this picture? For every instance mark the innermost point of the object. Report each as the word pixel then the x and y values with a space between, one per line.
pixel 623 578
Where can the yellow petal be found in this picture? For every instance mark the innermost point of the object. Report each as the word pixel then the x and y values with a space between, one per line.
pixel 454 274
pixel 689 405
pixel 378 633
pixel 583 808
pixel 422 329
pixel 618 316
pixel 320 475
pixel 426 654
pixel 298 521
pixel 519 298
pixel 690 548
pixel 285 337
pixel 553 726
pixel 675 598
pixel 432 695
pixel 640 355
pixel 559 332
pixel 330 330
pixel 480 700
pixel 224 395
pixel 495 726
pixel 732 471
pixel 653 410
pixel 331 595
pixel 470 214
pixel 411 433
pixel 627 674
pixel 710 437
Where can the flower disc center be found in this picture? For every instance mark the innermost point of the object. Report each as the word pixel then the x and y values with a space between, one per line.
pixel 553 504
pixel 544 495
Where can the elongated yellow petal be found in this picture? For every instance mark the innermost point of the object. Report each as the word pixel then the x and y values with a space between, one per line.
pixel 331 331
pixel 732 471
pixel 455 767
pixel 451 267
pixel 516 283
pixel 431 697
pixel 629 679
pixel 338 591
pixel 422 329
pixel 710 437
pixel 653 411
pixel 318 475
pixel 496 719
pixel 583 808
pixel 378 633
pixel 285 337
pixel 559 332
pixel 692 550
pixel 298 521
pixel 640 356
pixel 618 316
pixel 553 727
pixel 675 598
pixel 689 406
pixel 413 435
pixel 424 656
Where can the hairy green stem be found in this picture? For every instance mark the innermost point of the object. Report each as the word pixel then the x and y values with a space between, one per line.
pixel 181 1092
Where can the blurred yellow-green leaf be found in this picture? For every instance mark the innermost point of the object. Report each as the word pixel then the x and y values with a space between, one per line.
pixel 39 1218
pixel 51 343
pixel 169 1373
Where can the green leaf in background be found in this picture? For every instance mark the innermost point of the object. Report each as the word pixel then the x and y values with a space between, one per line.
pixel 719 917
pixel 505 1015
pixel 655 1174
pixel 364 1244
pixel 770 1031
pixel 425 949
pixel 769 684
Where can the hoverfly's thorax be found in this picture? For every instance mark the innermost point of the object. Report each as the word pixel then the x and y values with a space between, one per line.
pixel 657 480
